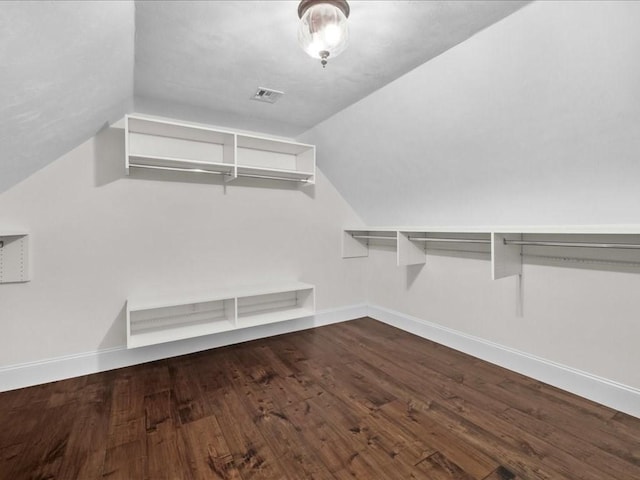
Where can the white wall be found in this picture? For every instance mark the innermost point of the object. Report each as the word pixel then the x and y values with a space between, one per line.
pixel 580 318
pixel 534 120
pixel 98 237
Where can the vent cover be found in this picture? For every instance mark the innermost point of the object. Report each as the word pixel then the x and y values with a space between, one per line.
pixel 267 95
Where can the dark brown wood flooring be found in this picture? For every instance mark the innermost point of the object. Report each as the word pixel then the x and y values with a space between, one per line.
pixel 353 400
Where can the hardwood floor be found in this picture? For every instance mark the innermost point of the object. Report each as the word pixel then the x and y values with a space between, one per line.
pixel 353 400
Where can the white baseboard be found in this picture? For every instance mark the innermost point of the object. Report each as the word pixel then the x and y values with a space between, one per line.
pixel 606 392
pixel 60 368
pixel 612 394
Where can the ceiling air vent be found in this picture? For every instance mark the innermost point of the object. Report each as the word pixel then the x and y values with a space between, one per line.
pixel 267 95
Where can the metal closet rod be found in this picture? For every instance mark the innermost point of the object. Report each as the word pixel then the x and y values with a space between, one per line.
pixel 449 240
pixel 422 239
pixel 571 244
pixel 273 177
pixel 533 243
pixel 177 169
pixel 373 237
pixel 199 170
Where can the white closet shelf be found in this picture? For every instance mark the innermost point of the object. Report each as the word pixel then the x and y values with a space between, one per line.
pixel 273 317
pixel 170 127
pixel 164 301
pixel 164 144
pixel 159 320
pixel 143 339
pixel 14 256
pixel 255 142
pixel 506 244
pixel 605 229
pixel 255 290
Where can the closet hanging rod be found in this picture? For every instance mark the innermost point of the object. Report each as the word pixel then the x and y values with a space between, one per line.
pixel 373 237
pixel 449 240
pixel 199 170
pixel 628 246
pixel 177 169
pixel 571 244
pixel 273 177
pixel 533 243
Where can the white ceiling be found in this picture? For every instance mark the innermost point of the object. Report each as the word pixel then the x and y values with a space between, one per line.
pixel 67 67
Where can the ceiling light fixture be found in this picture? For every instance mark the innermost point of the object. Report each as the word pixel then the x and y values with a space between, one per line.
pixel 323 29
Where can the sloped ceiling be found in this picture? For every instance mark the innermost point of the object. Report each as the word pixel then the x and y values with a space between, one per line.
pixel 533 121
pixel 67 68
pixel 214 55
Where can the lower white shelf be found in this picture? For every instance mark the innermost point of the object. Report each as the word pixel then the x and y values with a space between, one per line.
pixel 274 317
pixel 165 320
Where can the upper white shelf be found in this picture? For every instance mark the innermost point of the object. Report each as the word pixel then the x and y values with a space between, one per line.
pixel 612 229
pixel 171 145
pixel 162 144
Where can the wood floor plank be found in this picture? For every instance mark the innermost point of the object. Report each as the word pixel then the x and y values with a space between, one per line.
pixel 259 375
pixel 251 455
pixel 84 456
pixel 166 454
pixel 473 454
pixel 43 458
pixel 605 435
pixel 337 447
pixel 348 390
pixel 462 368
pixel 186 396
pixel 456 389
pixel 364 437
pixel 127 407
pixel 450 405
pixel 261 372
pixel 630 424
pixel 126 461
pixel 357 400
pixel 439 467
pixel 470 456
pixel 581 449
pixel 207 451
pixel 501 473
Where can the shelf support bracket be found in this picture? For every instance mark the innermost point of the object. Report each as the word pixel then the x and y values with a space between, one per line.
pixel 353 247
pixel 506 260
pixel 408 252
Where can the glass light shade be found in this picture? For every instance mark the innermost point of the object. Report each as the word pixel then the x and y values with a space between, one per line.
pixel 323 31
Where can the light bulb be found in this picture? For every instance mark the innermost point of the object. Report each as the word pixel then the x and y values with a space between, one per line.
pixel 323 31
